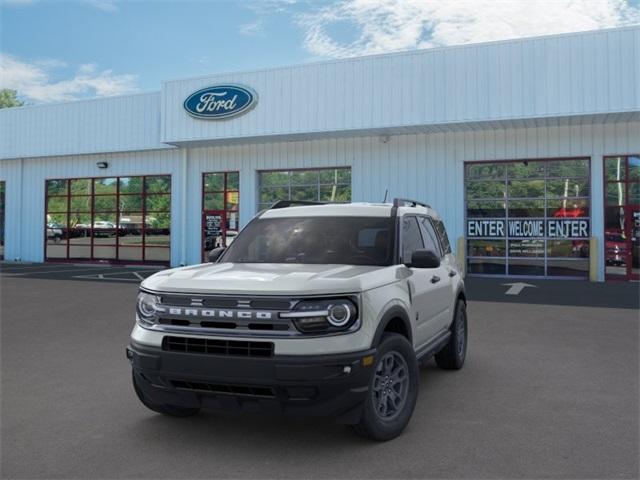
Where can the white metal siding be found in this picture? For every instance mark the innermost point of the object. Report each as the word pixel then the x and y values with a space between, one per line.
pixel 422 166
pixel 25 206
pixel 556 76
pixel 126 123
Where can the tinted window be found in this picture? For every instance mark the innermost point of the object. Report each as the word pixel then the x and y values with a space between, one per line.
pixel 429 236
pixel 442 233
pixel 317 240
pixel 411 238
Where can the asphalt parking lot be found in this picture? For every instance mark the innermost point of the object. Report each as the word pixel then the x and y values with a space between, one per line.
pixel 550 390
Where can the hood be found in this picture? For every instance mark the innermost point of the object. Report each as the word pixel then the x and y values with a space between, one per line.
pixel 270 279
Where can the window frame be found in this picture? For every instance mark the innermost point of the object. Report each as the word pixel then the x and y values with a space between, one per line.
pixel 506 178
pixel 144 212
pixel 264 205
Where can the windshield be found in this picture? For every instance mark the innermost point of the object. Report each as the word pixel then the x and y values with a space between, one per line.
pixel 338 240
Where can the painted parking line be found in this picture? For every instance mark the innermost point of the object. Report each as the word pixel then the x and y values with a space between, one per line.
pixel 122 276
pixel 37 271
pixel 40 268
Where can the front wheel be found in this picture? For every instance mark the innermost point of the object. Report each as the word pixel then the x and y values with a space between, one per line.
pixel 171 410
pixel 393 390
pixel 452 356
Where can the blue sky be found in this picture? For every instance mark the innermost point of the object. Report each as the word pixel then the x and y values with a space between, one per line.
pixel 54 50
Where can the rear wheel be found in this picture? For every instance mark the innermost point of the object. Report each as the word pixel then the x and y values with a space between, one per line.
pixel 171 410
pixel 393 390
pixel 452 356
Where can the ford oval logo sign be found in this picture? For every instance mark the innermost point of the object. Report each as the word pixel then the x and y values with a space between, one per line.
pixel 220 102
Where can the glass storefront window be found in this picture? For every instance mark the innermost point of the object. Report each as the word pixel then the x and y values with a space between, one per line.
pixel 568 188
pixel 526 169
pixel 328 184
pixel 486 209
pixel 615 169
pixel 486 248
pixel 568 168
pixel 568 208
pixel 485 171
pixel 104 218
pixel 487 266
pixel 522 215
pixel 525 208
pixel 615 193
pixel 622 217
pixel 634 167
pixel 105 186
pixel 486 189
pixel 526 188
pixel 526 248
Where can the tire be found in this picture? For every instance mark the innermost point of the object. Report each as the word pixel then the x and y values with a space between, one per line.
pixel 452 356
pixel 170 410
pixel 379 425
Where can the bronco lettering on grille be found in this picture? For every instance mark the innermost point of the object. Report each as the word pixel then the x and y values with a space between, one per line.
pixel 215 313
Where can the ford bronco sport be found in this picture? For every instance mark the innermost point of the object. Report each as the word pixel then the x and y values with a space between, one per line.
pixel 314 309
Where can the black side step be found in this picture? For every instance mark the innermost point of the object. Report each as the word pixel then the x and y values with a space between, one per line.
pixel 434 346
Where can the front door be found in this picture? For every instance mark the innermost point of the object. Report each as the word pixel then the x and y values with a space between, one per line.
pixel 220 214
pixel 428 286
pixel 213 231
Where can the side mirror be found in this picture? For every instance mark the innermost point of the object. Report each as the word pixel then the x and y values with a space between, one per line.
pixel 424 259
pixel 214 254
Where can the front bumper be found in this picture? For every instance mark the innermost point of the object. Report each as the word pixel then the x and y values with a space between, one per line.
pixel 309 385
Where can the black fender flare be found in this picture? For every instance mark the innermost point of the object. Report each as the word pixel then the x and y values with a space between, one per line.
pixel 395 311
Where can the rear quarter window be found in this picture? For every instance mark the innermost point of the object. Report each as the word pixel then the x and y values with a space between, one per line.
pixel 442 235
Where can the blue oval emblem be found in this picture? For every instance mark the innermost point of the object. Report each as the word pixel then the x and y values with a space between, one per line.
pixel 220 102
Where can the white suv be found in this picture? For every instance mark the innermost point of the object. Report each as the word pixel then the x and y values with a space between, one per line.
pixel 314 309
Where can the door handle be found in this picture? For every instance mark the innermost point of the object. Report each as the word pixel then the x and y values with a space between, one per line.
pixel 435 279
pixel 452 273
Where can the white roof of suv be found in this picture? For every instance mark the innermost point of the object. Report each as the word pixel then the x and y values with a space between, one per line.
pixel 356 209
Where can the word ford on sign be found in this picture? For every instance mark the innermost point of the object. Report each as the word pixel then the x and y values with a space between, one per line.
pixel 220 102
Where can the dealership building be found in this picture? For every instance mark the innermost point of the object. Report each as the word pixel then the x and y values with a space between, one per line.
pixel 529 149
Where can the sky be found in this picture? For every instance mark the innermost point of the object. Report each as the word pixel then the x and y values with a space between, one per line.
pixel 52 51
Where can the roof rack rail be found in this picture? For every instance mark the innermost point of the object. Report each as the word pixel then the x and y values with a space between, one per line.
pixel 402 202
pixel 294 203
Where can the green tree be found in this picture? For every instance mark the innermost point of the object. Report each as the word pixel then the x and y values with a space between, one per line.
pixel 9 98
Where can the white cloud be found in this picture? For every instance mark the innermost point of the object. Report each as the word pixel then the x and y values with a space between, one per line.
pixel 34 82
pixel 389 25
pixel 252 29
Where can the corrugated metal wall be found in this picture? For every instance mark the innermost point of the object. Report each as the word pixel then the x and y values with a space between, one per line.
pixel 25 200
pixel 555 76
pixel 422 166
pixel 130 122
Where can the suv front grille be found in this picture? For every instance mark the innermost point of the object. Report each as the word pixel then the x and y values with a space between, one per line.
pixel 249 390
pixel 218 347
pixel 227 302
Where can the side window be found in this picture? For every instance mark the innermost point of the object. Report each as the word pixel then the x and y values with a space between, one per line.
pixel 442 233
pixel 411 238
pixel 430 238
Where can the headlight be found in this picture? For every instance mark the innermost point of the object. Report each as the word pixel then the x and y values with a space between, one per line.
pixel 324 316
pixel 146 307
